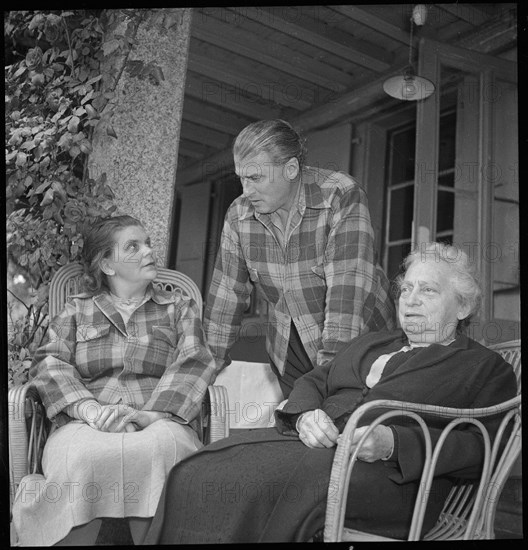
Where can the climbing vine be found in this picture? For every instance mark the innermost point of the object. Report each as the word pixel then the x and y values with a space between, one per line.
pixel 62 70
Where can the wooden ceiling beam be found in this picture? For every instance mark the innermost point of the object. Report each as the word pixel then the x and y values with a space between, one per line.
pixel 249 84
pixel 495 35
pixel 340 43
pixel 467 12
pixel 380 25
pixel 193 149
pixel 367 92
pixel 227 97
pixel 275 55
pixel 214 117
pixel 321 116
pixel 326 115
pixel 188 152
pixel 204 135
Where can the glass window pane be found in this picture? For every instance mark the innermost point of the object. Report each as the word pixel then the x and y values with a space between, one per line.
pixel 446 149
pixel 445 211
pixel 401 213
pixel 397 254
pixel 402 156
pixel 447 179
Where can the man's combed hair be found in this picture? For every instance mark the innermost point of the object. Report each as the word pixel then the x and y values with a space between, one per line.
pixel 276 137
pixel 99 243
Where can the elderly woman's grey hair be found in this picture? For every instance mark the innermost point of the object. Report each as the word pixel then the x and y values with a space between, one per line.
pixel 464 273
pixel 275 137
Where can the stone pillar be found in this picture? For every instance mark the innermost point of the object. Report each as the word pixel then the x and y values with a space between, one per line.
pixel 140 164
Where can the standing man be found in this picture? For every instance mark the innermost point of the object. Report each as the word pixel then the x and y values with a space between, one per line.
pixel 303 236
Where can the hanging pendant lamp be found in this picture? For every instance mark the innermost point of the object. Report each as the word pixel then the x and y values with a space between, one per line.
pixel 409 86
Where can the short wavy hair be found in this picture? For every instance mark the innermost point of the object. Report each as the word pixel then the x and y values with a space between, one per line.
pixel 99 243
pixel 464 274
pixel 275 137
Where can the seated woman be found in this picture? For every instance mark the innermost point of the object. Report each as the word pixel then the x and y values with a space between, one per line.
pixel 122 376
pixel 264 486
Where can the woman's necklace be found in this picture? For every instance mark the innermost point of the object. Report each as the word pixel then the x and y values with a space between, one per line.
pixel 127 301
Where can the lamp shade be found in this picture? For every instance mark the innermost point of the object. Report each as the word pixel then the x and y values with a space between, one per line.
pixel 408 87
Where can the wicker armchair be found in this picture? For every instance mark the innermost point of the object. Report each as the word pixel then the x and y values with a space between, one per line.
pixel 469 509
pixel 28 425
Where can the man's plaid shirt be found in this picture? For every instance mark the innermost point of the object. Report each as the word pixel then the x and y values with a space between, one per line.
pixel 325 278
pixel 158 362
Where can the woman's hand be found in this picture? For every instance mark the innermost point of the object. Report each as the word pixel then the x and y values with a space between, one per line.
pixel 110 418
pixel 317 430
pixel 122 418
pixel 87 410
pixel 116 418
pixel 142 419
pixel 379 443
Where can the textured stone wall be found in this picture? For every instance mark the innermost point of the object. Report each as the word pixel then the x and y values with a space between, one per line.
pixel 141 163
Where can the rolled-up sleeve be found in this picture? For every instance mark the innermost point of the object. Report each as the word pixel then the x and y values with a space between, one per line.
pixel 182 387
pixel 53 371
pixel 229 294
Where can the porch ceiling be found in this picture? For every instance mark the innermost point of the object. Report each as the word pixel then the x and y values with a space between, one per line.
pixel 311 65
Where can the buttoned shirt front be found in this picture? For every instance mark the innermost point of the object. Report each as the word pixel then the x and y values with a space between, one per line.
pixel 323 276
pixel 157 361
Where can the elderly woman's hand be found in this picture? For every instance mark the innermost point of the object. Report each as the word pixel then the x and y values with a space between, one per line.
pixel 316 429
pixel 378 445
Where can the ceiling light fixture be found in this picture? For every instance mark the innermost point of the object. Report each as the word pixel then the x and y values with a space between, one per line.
pixel 409 86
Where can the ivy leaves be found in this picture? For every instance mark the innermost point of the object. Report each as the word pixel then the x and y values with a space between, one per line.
pixel 53 98
pixel 61 76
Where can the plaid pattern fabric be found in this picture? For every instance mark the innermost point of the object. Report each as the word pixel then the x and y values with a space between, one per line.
pixel 159 361
pixel 325 278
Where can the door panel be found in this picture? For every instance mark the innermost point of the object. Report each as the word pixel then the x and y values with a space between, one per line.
pixel 193 230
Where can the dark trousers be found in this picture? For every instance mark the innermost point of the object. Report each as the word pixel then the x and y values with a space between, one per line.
pixel 297 363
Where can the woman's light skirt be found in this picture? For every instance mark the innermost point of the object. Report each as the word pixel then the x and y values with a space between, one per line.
pixel 90 474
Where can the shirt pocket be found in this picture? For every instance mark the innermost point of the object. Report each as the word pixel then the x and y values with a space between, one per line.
pixel 93 353
pixel 87 333
pixel 161 351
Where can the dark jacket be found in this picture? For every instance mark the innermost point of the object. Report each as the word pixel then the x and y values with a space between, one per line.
pixel 266 486
pixel 464 374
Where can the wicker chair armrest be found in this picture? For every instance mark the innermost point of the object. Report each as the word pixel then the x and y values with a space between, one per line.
pixel 344 458
pixel 25 424
pixel 216 424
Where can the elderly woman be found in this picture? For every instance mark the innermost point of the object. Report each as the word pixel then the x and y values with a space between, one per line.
pixel 122 378
pixel 272 487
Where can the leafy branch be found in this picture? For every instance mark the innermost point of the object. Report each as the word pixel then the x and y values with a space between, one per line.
pixel 60 84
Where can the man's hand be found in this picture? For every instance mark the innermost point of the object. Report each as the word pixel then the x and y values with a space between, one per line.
pixel 316 429
pixel 379 443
